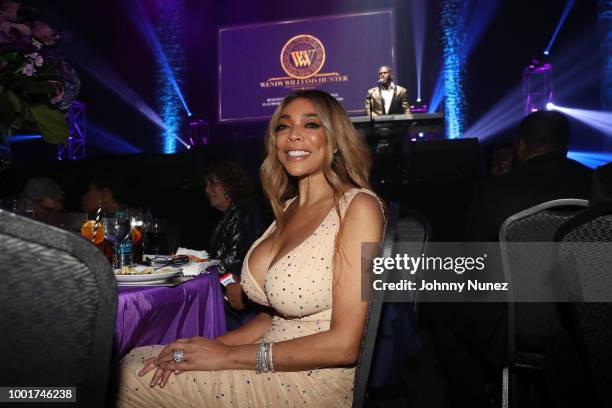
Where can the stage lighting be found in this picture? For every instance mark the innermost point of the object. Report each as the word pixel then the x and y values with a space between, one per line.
pixel 537 86
pixel 453 19
pixel 566 10
pixel 600 120
pixel 421 134
pixel 22 138
pixel 419 100
pixel 590 159
pixel 550 106
pixel 198 132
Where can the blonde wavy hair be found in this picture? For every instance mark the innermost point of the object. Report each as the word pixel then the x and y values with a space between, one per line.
pixel 348 157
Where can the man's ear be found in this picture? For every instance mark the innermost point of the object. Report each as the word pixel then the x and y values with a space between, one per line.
pixel 520 150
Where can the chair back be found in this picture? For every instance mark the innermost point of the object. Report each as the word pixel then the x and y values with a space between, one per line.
pixel 522 263
pixel 585 257
pixel 411 237
pixel 58 301
pixel 375 304
pixel 406 235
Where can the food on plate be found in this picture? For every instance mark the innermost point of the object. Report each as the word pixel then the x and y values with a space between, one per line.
pixel 130 270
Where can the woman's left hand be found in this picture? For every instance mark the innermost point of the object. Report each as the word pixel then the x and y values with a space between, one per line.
pixel 199 354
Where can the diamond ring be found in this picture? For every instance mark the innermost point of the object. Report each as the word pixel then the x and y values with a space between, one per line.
pixel 178 356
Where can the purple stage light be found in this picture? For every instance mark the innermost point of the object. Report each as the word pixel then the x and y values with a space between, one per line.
pixel 569 78
pixel 600 120
pixel 537 86
pixel 418 108
pixel 198 132
pixel 75 149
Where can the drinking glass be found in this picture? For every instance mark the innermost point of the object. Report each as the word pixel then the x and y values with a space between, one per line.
pixel 115 231
pixel 137 221
pixel 156 237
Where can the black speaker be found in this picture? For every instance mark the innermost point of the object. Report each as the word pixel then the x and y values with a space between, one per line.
pixel 449 158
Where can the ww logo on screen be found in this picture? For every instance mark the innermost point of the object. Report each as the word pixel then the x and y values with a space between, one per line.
pixel 302 56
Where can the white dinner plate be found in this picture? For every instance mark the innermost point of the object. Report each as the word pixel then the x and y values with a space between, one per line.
pixel 168 273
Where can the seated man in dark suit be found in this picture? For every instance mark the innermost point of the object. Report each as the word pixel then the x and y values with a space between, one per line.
pixel 471 337
pixel 602 184
pixel 543 173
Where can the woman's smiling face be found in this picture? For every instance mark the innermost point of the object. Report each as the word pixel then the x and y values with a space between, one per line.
pixel 301 144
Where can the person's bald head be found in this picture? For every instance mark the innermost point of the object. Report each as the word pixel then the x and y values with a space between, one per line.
pixel 386 74
pixel 542 132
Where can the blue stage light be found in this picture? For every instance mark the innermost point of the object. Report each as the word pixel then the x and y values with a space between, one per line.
pixel 453 25
pixel 83 56
pixel 166 45
pixel 604 17
pixel 479 16
pixel 590 159
pixel 566 10
pixel 550 106
pixel 106 140
pixel 22 138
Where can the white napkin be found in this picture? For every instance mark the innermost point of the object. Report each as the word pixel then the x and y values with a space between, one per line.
pixel 192 252
pixel 193 268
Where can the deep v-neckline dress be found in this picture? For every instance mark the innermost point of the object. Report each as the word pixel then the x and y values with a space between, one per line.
pixel 298 287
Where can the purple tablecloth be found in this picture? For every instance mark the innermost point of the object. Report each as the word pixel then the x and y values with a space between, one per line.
pixel 160 315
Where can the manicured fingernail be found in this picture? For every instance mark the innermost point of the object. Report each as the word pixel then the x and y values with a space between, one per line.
pixel 152 383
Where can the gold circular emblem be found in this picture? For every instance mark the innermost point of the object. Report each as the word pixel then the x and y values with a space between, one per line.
pixel 302 56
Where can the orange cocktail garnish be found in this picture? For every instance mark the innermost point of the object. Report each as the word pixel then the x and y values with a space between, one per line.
pixel 87 230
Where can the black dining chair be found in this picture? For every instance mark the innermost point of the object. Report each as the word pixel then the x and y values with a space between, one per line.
pixel 383 344
pixel 58 302
pixel 375 306
pixel 584 253
pixel 527 269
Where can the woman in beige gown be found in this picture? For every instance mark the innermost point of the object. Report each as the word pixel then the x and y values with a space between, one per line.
pixel 306 267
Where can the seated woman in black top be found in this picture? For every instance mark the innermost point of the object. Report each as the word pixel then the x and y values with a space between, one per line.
pixel 228 190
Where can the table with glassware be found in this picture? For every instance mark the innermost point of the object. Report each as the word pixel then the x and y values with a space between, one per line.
pixel 148 315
